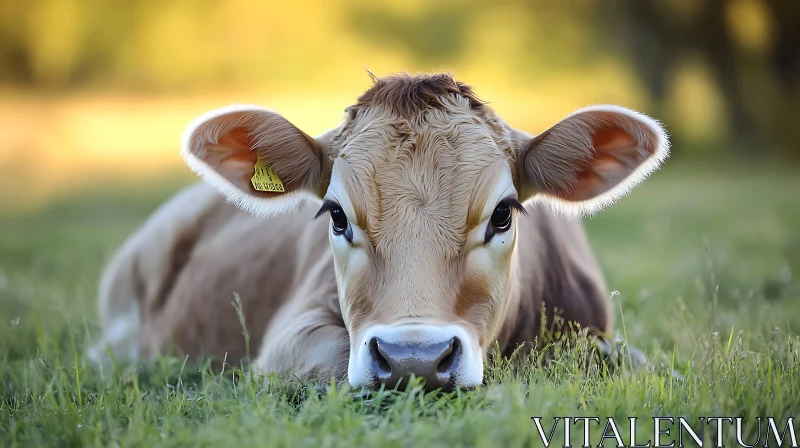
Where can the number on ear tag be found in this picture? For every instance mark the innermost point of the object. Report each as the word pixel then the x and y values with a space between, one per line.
pixel 265 178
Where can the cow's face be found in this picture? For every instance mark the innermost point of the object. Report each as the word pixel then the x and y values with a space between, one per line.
pixel 423 208
pixel 423 186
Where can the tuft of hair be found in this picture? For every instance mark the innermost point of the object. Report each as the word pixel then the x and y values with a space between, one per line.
pixel 408 95
pixel 372 76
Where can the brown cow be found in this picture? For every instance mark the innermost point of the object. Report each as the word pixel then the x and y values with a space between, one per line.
pixel 424 263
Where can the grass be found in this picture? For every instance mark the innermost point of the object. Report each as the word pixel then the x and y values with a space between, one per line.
pixel 705 265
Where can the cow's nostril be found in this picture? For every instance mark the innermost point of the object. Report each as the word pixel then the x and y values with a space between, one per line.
pixel 450 357
pixel 381 367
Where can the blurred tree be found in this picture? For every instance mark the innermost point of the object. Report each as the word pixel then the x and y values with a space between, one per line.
pixel 785 60
pixel 758 86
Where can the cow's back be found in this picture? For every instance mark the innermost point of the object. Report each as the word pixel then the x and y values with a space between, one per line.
pixel 192 258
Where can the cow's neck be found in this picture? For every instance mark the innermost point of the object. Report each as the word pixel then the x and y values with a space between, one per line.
pixel 520 321
pixel 545 272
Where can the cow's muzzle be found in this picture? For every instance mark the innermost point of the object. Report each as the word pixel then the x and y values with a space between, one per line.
pixel 445 356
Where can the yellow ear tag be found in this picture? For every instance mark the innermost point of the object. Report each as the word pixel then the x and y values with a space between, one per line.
pixel 265 178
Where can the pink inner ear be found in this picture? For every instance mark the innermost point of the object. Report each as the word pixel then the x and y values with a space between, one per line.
pixel 237 165
pixel 238 140
pixel 616 155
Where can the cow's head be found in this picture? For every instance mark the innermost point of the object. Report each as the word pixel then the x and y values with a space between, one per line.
pixel 423 185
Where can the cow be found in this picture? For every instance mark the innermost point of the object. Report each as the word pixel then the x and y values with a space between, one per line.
pixel 410 240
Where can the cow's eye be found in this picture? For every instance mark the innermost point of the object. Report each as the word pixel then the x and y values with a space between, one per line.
pixel 338 220
pixel 339 223
pixel 500 221
pixel 501 218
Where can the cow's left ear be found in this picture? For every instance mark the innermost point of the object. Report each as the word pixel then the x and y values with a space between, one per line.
pixel 257 159
pixel 591 158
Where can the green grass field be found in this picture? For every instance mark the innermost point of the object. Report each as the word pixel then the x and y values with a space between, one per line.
pixel 706 265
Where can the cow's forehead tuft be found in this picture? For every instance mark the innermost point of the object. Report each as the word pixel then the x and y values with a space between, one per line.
pixel 407 95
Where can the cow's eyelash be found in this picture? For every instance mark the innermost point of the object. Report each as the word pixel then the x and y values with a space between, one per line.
pixel 327 206
pixel 513 203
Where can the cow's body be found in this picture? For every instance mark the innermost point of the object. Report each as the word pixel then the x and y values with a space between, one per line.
pixel 184 267
pixel 424 263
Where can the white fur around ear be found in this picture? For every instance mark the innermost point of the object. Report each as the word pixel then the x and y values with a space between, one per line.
pixel 644 129
pixel 260 206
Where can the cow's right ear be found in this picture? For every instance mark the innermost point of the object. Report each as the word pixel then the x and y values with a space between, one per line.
pixel 256 158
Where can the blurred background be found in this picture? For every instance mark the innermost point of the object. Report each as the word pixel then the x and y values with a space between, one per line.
pixel 94 95
pixel 93 89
